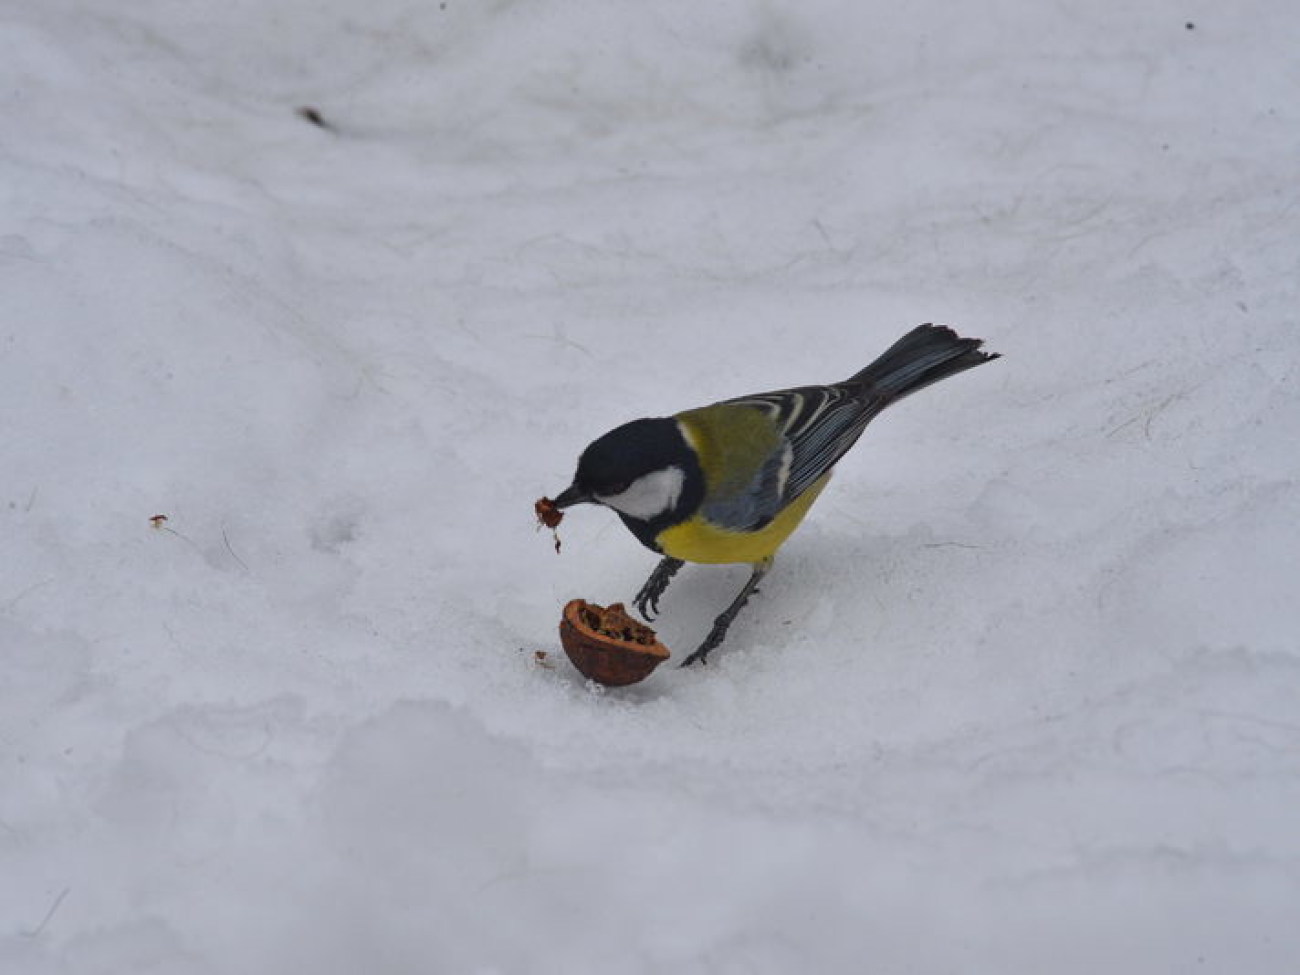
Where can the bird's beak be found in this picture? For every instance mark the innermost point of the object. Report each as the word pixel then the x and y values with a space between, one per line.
pixel 572 495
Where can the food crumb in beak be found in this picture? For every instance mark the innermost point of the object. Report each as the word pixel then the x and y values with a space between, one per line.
pixel 547 513
pixel 550 516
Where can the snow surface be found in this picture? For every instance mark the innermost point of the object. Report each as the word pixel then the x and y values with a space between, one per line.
pixel 1022 696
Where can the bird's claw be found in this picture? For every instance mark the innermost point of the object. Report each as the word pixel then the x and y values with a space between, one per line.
pixel 723 623
pixel 647 606
pixel 647 600
pixel 711 642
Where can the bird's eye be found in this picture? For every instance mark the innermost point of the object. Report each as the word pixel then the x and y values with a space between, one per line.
pixel 618 487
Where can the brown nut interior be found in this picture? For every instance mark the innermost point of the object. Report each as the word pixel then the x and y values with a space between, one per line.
pixel 613 623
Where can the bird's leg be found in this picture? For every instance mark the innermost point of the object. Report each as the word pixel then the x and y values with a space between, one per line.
pixel 721 624
pixel 647 600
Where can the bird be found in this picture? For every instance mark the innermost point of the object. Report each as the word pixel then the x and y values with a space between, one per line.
pixel 729 482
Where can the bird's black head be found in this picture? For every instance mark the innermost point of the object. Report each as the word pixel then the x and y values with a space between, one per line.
pixel 645 470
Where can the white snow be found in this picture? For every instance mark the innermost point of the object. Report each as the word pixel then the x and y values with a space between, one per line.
pixel 1022 696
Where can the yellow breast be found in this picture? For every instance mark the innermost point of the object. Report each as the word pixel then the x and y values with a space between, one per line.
pixel 697 540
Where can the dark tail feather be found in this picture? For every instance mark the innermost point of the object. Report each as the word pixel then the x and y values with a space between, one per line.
pixel 923 356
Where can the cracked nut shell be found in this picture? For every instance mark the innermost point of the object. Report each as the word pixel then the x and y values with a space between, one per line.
pixel 609 646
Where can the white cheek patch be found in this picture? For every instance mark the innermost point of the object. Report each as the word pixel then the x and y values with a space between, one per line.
pixel 649 495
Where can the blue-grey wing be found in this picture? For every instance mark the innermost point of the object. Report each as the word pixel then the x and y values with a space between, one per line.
pixel 749 504
pixel 819 424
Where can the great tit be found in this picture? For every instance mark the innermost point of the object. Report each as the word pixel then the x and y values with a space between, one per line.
pixel 728 483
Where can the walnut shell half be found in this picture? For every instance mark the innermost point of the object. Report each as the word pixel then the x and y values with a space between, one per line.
pixel 609 646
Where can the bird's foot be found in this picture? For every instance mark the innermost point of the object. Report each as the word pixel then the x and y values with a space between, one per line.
pixel 647 600
pixel 700 656
pixel 713 640
pixel 723 622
